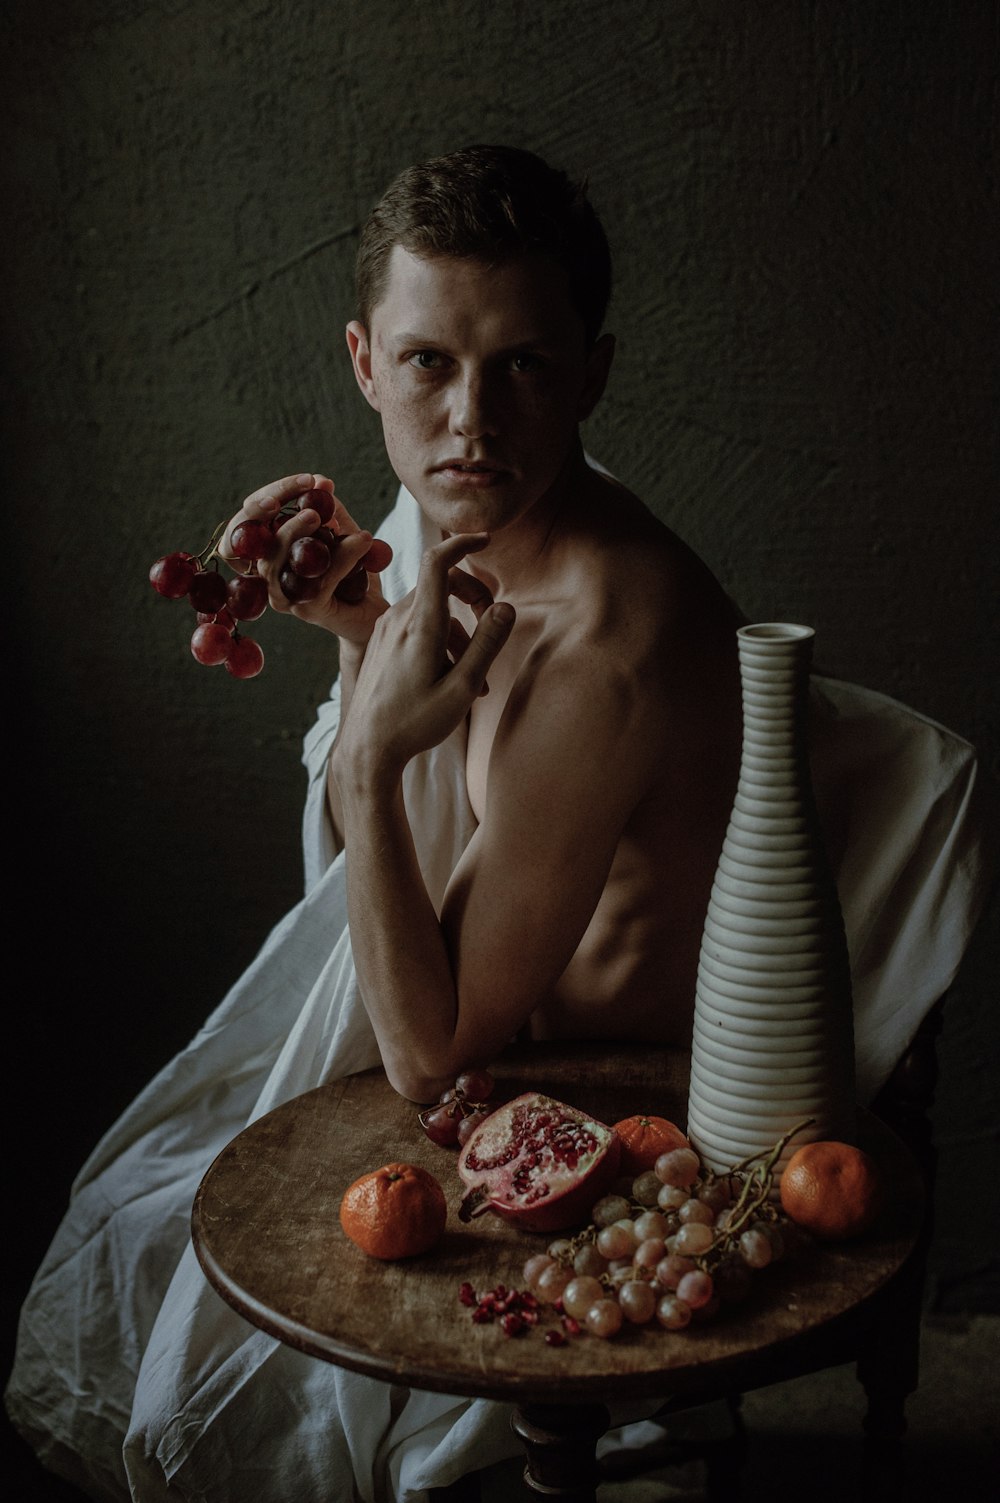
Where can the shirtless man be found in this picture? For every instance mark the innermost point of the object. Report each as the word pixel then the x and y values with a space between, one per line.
pixel 592 655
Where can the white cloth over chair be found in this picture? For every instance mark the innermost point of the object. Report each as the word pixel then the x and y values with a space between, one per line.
pixel 133 1378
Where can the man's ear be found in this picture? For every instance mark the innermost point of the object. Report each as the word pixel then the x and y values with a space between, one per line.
pixel 361 359
pixel 596 375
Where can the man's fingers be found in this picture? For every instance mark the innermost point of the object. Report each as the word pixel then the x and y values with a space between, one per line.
pixel 263 506
pixel 489 637
pixel 342 519
pixel 298 526
pixel 470 590
pixel 349 552
pixel 458 639
pixel 269 500
pixel 437 563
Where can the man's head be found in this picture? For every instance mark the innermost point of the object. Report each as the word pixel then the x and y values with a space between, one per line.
pixel 483 279
pixel 491 204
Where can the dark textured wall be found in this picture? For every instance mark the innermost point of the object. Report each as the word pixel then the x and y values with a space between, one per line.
pixel 801 199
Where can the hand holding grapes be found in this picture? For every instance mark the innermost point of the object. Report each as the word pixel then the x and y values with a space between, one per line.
pixel 294 546
pixel 316 562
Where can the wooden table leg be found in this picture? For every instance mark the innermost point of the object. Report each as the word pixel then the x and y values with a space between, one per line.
pixel 889 1371
pixel 560 1443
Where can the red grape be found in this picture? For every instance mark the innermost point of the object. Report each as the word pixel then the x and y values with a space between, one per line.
pixel 353 589
pixel 171 575
pixel 441 1124
pixel 247 597
pixel 211 644
pixel 468 1125
pixel 245 659
pixel 251 540
pixel 318 501
pixel 309 557
pixel 208 591
pixel 475 1085
pixel 296 589
pixel 378 557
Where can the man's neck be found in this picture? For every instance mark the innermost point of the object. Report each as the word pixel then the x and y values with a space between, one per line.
pixel 519 557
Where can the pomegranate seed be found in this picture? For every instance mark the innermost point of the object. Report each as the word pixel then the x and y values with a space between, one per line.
pixel 571 1326
pixel 513 1325
pixel 555 1338
pixel 467 1295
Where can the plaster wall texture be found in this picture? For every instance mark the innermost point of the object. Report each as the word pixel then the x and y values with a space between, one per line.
pixel 801 200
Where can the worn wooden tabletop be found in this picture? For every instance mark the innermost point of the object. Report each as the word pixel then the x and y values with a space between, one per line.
pixel 267 1231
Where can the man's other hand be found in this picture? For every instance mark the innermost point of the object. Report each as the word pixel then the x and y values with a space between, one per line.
pixel 422 670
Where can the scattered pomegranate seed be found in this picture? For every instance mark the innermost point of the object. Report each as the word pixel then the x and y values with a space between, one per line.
pixel 517 1310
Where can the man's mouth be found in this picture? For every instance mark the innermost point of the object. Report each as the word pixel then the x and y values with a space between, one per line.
pixel 470 466
pixel 470 471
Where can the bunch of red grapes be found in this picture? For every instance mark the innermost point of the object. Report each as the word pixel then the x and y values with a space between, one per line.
pixel 222 604
pixel 459 1111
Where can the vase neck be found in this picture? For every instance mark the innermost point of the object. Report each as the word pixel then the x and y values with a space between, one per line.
pixel 774 673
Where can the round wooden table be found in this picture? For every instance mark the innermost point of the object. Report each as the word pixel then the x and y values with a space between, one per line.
pixel 266 1230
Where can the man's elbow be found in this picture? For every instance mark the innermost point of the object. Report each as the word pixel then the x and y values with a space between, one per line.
pixel 421 1070
pixel 416 1085
pixel 418 1080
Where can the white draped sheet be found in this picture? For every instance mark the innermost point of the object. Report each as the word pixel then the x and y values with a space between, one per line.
pixel 133 1378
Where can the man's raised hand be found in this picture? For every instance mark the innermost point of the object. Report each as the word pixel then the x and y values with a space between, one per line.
pixel 422 671
pixel 346 598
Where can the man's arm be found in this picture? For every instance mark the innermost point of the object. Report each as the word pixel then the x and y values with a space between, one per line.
pixel 352 622
pixel 443 995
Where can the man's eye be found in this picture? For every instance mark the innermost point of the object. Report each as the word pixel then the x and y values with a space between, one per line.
pixel 426 360
pixel 524 362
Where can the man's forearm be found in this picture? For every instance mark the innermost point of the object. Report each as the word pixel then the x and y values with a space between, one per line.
pixel 400 955
pixel 351 659
pixel 412 695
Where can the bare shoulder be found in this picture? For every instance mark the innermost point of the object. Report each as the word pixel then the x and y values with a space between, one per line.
pixel 628 658
pixel 670 588
pixel 643 610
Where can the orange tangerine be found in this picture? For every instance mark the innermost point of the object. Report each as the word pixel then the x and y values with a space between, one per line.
pixel 644 1138
pixel 832 1189
pixel 394 1212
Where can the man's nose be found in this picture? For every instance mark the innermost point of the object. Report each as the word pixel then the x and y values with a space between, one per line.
pixel 473 409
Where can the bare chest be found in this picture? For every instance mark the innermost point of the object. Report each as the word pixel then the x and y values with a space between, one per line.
pixel 484 719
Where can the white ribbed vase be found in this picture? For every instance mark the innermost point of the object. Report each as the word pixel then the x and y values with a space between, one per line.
pixel 773 1027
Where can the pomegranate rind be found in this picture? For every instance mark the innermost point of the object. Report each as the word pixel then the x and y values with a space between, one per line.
pixel 575 1162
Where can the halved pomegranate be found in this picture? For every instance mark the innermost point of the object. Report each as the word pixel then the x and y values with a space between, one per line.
pixel 538 1163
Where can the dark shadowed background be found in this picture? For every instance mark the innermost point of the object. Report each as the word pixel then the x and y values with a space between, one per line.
pixel 801 200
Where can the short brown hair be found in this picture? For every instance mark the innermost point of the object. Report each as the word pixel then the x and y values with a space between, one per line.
pixel 489 203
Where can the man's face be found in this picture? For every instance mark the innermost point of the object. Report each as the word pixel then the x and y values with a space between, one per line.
pixel 481 376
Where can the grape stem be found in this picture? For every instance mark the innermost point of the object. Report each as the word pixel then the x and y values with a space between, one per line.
pixel 210 550
pixel 756 1189
pixel 773 1154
